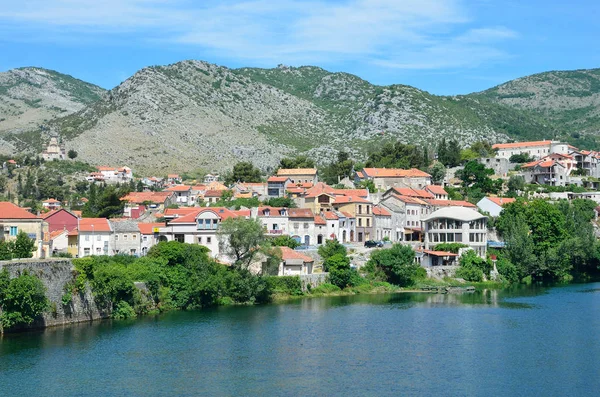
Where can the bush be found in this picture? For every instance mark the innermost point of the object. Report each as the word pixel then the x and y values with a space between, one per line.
pixel 325 288
pixel 472 267
pixel 340 272
pixel 285 241
pixel 395 265
pixel 123 310
pixel 331 248
pixel 22 299
pixel 290 285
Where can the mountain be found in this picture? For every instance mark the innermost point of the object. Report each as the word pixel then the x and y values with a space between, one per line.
pixel 568 100
pixel 194 114
pixel 32 96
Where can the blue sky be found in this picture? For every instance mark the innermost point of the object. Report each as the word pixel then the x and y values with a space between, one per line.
pixel 444 47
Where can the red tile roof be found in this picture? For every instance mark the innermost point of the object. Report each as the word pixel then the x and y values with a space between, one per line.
pixel 436 189
pixel 180 211
pixel 329 215
pixel 178 188
pixel 146 228
pixel 381 211
pixel 319 220
pixel 56 233
pixel 277 179
pixel 94 225
pixel 213 193
pixel 364 193
pixel 300 213
pixel 287 253
pixel 410 200
pixel 394 173
pixel 296 171
pixel 501 200
pixel 439 253
pixel 350 199
pixel 520 144
pixel 347 214
pixel 12 211
pixel 222 212
pixel 51 201
pixel 152 197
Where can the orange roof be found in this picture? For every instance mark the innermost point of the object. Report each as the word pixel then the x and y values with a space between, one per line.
pixel 306 185
pixel 172 176
pixel 222 212
pixel 180 211
pixel 436 189
pixel 450 203
pixel 516 145
pixel 94 225
pixel 319 220
pixel 50 213
pixel 56 233
pixel 277 179
pixel 287 253
pixel 50 201
pixel 300 213
pixel 381 211
pixel 439 253
pixel 350 199
pixel 393 173
pixel 407 191
pixel 12 211
pixel 296 171
pixel 200 187
pixel 105 168
pixel 11 161
pixel 244 213
pixel 141 197
pixel 178 188
pixel 213 193
pixel 347 214
pixel 351 192
pixel 295 189
pixel 74 232
pixel 146 228
pixel 330 215
pixel 77 213
pixel 410 200
pixel 501 200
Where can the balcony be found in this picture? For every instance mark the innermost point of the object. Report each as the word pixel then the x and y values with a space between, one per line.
pixel 275 232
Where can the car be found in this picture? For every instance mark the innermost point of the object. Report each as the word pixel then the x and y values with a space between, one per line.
pixel 373 243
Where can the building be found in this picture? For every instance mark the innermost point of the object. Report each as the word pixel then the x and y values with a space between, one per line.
pixel 51 204
pixel 494 205
pixel 212 196
pixel 94 237
pixel 387 178
pixel 58 242
pixel 277 186
pixel 534 149
pixel 125 237
pixel 111 175
pixel 183 194
pixel 60 220
pixel 500 165
pixel 14 219
pixel 208 178
pixel 382 220
pixel 274 220
pixel 149 233
pixel 173 179
pixel 429 258
pixel 360 209
pixel 554 169
pixel 456 225
pixel 302 225
pixel 299 175
pixel 439 193
pixel 137 203
pixel 294 263
pixel 54 150
pixel 587 162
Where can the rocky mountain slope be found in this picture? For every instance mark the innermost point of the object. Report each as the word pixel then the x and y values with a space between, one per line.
pixel 194 114
pixel 30 97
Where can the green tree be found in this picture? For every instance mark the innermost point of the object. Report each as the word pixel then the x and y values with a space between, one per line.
pixel 243 171
pixel 483 149
pixel 368 184
pixel 437 172
pixel 340 168
pixel 396 263
pixel 476 176
pixel 72 154
pixel 296 162
pixel 397 155
pixel 331 248
pixel 23 246
pixel 281 202
pixel 284 241
pixel 22 300
pixel 340 272
pixel 6 248
pixel 515 184
pixel 241 239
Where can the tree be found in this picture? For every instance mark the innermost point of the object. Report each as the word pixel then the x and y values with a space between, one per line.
pixel 331 248
pixel 72 154
pixel 22 299
pixel 369 185
pixel 453 154
pixel 241 239
pixel 396 263
pixel 3 183
pixel 340 272
pixel 243 171
pixel 520 158
pixel 483 149
pixel 23 246
pixel 6 248
pixel 296 162
pixel 476 176
pixel 397 155
pixel 470 267
pixel 515 184
pixel 285 241
pixel 340 168
pixel 437 172
pixel 281 202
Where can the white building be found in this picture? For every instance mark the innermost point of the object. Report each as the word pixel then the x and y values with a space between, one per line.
pixel 112 174
pixel 149 233
pixel 456 225
pixel 494 205
pixel 94 237
pixel 535 149
pixel 294 263
pixel 274 219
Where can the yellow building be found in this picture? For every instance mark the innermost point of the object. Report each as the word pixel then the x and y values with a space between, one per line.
pixel 14 219
pixel 362 210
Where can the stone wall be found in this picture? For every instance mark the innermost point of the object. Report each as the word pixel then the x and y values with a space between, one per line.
pixel 314 280
pixel 439 272
pixel 55 274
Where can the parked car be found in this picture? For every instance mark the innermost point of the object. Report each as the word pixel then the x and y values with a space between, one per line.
pixel 373 243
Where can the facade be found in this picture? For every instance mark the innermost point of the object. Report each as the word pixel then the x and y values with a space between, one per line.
pixel 493 205
pixel 302 225
pixel 274 220
pixel 430 258
pixel 136 203
pixel 149 233
pixel 277 186
pixel 94 237
pixel 294 263
pixel 51 204
pixel 112 174
pixel 535 149
pixel 587 162
pixel 500 165
pixel 212 196
pixel 125 238
pixel 54 150
pixel 456 225
pixel 387 178
pixel 382 219
pixel 14 219
pixel 208 178
pixel 58 242
pixel 299 175
pixel 554 170
pixel 361 210
pixel 61 220
pixel 183 194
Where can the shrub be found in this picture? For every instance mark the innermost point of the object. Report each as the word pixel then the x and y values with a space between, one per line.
pixel 123 310
pixel 286 285
pixel 395 265
pixel 325 288
pixel 22 299
pixel 331 248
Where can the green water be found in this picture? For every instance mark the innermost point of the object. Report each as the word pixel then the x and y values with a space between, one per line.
pixel 526 342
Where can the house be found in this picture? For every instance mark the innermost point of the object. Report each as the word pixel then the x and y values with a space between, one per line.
pixel 587 162
pixel 493 205
pixel 386 178
pixel 125 237
pixel 112 174
pixel 360 209
pixel 382 223
pixel 183 194
pixel 429 258
pixel 274 219
pixel 51 204
pixel 58 242
pixel 534 149
pixel 54 150
pixel 208 178
pixel 61 219
pixel 277 186
pixel 294 263
pixel 553 170
pixel 153 182
pixel 302 225
pixel 456 225
pixel 500 165
pixel 149 233
pixel 212 196
pixel 299 175
pixel 94 237
pixel 173 179
pixel 136 203
pixel 14 219
pixel 438 192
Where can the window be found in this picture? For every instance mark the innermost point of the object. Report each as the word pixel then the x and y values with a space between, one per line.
pixel 86 252
pixel 116 237
pixel 98 251
pixel 306 225
pixel 214 223
pixel 368 222
pixel 199 240
pixel 87 237
pixel 134 237
pixel 98 238
pixel 13 231
pixel 359 222
pixel 124 237
pixel 208 240
pixel 145 238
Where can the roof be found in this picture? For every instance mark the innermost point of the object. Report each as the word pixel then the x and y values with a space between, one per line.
pixel 501 200
pixel 394 173
pixel 381 211
pixel 319 220
pixel 273 211
pixel 12 211
pixel 147 228
pixel 458 213
pixel 516 145
pixel 124 226
pixel 407 191
pixel 57 233
pixel 439 253
pixel 329 215
pixel 178 188
pixel 50 213
pixel 450 203
pixel 300 213
pixel 78 214
pixel 277 179
pixel 436 189
pixel 350 199
pixel 351 192
pixel 74 232
pixel 222 212
pixel 173 176
pixel 287 253
pixel 105 168
pixel 347 214
pixel 213 193
pixel 410 200
pixel 296 171
pixel 142 197
pixel 94 225
pixel 50 201
pixel 180 211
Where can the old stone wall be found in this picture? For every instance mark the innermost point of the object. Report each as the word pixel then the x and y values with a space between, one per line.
pixel 439 272
pixel 55 274
pixel 314 280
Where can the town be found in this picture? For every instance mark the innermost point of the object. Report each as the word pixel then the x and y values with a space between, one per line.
pixel 368 207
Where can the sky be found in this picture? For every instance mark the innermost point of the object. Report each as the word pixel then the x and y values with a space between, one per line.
pixel 445 47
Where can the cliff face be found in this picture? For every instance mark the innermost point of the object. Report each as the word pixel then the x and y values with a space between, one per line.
pixel 55 274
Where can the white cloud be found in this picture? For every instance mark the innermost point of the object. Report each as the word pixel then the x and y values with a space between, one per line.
pixel 409 34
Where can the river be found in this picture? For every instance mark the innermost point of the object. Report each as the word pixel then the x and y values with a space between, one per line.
pixel 531 341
